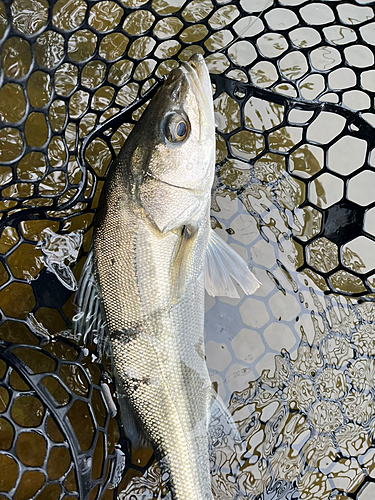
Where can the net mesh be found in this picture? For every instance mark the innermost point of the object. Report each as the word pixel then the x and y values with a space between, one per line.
pixel 294 109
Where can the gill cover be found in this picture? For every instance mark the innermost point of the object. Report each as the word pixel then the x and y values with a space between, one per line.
pixel 180 174
pixel 179 155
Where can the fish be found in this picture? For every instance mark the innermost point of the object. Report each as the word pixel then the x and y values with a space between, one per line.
pixel 153 254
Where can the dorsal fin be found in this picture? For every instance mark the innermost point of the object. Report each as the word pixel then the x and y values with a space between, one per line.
pixel 89 322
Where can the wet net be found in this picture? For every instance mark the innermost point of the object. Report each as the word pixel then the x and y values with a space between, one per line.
pixel 294 99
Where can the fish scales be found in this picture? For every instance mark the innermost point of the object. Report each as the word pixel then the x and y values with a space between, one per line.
pixel 156 335
pixel 150 249
pixel 159 369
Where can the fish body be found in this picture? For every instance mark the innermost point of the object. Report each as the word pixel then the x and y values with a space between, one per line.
pixel 148 259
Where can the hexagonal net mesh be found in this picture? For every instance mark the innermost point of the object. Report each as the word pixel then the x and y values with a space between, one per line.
pixel 294 109
pixel 54 421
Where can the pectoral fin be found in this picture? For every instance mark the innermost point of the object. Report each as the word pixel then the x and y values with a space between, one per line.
pixel 183 260
pixel 223 264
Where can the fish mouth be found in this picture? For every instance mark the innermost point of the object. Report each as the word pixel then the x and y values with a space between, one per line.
pixel 197 70
pixel 197 73
pixel 197 63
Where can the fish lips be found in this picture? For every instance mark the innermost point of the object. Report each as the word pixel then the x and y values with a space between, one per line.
pixel 198 64
pixel 198 77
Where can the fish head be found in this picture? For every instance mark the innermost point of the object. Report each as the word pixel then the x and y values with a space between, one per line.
pixel 176 133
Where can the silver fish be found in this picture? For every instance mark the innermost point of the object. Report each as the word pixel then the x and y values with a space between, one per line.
pixel 153 254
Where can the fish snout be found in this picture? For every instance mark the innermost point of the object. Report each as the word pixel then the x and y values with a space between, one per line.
pixel 197 63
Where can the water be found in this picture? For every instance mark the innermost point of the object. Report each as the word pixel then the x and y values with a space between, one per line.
pixel 293 196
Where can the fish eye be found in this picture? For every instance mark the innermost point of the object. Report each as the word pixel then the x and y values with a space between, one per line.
pixel 176 128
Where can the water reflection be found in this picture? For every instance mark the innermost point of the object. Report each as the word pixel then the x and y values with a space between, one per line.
pixel 283 404
pixel 324 58
pixel 294 65
pixel 13 93
pixel 323 255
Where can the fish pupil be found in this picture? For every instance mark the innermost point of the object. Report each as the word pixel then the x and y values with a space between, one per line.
pixel 176 127
pixel 181 129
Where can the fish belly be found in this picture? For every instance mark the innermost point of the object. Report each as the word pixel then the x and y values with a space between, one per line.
pixel 158 346
pixel 167 384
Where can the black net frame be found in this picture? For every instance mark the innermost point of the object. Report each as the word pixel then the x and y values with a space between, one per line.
pixel 350 214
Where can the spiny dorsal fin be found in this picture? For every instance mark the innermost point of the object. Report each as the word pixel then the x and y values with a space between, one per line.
pixel 90 323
